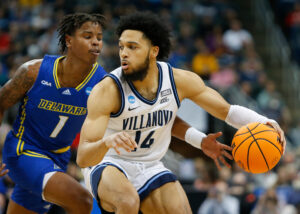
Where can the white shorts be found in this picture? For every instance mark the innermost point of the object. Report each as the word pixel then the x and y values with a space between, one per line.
pixel 145 177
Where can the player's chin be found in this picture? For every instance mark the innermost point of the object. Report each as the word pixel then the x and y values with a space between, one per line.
pixel 126 71
pixel 93 59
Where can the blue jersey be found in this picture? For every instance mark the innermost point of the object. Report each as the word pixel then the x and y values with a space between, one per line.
pixel 50 116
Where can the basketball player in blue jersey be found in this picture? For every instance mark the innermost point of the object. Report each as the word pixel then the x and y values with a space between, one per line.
pixel 53 92
pixel 126 134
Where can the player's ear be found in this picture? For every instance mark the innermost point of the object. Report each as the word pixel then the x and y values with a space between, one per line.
pixel 68 39
pixel 154 51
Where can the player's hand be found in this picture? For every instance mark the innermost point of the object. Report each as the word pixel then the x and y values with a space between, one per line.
pixel 276 126
pixel 120 140
pixel 216 150
pixel 3 171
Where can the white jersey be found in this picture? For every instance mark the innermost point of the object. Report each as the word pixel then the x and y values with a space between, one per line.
pixel 149 122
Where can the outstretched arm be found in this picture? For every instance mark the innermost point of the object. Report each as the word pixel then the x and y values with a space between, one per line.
pixel 208 144
pixel 191 86
pixel 103 100
pixel 15 89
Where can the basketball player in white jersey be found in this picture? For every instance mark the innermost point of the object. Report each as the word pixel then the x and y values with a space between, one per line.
pixel 129 123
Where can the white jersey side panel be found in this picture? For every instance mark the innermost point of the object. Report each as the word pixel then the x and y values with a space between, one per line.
pixel 149 122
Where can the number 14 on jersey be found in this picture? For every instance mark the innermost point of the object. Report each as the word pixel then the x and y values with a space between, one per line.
pixel 147 142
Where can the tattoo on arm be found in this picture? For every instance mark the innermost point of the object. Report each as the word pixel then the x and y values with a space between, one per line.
pixel 17 87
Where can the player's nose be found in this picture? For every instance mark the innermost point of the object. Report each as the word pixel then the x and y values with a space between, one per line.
pixel 123 53
pixel 95 41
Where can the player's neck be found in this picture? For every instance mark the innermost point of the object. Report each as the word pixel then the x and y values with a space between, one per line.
pixel 148 86
pixel 71 74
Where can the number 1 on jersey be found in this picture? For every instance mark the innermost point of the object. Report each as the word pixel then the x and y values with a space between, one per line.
pixel 62 121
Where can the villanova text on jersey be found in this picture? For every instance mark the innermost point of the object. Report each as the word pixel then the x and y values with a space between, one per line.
pixel 156 118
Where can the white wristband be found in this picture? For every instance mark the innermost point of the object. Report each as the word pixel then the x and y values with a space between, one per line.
pixel 194 137
pixel 239 116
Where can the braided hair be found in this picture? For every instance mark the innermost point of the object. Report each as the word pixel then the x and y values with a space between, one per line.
pixel 70 23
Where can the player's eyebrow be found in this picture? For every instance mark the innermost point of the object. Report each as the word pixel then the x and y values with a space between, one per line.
pixel 87 31
pixel 130 42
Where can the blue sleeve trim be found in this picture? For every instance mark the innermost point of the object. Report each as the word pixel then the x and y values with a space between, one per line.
pixel 173 85
pixel 122 95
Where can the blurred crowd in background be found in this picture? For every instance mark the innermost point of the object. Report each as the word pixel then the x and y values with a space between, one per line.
pixel 209 39
pixel 288 17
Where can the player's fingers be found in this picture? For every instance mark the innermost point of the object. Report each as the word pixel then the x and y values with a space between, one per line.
pixel 217 163
pixel 216 135
pixel 278 129
pixel 281 134
pixel 282 138
pixel 126 142
pixel 131 141
pixel 123 142
pixel 2 173
pixel 2 166
pixel 283 145
pixel 117 150
pixel 224 162
pixel 227 155
pixel 223 146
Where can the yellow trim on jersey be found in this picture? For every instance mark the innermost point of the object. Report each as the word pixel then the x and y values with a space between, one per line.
pixel 88 77
pixel 55 72
pixel 81 85
pixel 20 143
pixel 22 146
pixel 62 150
pixel 34 154
pixel 21 128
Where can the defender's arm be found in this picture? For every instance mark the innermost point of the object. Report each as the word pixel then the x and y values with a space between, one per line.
pixel 15 89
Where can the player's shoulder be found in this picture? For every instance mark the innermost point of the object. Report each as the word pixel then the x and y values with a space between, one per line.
pixel 107 86
pixel 32 65
pixel 181 74
pixel 107 92
pixel 30 69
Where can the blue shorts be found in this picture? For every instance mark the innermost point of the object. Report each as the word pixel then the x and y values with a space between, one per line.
pixel 27 169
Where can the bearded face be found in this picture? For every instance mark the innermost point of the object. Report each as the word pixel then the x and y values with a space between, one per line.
pixel 138 73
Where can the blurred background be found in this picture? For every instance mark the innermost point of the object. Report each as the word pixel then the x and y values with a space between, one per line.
pixel 247 50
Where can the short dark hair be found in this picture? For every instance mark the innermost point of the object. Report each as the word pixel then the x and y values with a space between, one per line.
pixel 70 23
pixel 152 27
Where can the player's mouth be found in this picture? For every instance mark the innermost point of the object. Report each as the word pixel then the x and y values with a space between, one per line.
pixel 124 65
pixel 95 52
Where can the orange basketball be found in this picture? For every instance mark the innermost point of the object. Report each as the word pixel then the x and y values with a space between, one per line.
pixel 256 147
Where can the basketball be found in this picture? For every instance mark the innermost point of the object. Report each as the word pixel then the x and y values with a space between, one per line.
pixel 256 147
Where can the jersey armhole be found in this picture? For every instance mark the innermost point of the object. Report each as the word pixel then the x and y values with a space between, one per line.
pixel 42 68
pixel 37 77
pixel 122 95
pixel 173 85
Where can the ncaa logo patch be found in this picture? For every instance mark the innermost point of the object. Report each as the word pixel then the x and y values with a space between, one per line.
pixel 131 99
pixel 88 90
